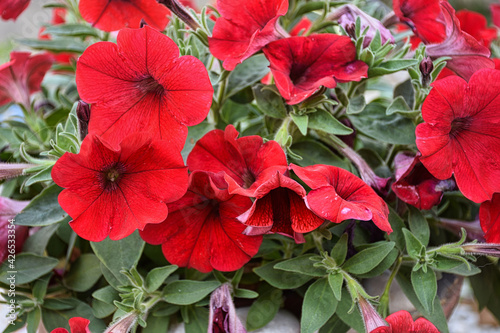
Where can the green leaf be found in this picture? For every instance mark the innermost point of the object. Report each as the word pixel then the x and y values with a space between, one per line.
pixel 194 134
pixel 188 292
pixel 245 293
pixel 198 320
pixel 233 112
pixel 336 280
pixel 301 121
pixel 391 66
pixel 383 266
pixel 40 287
pixel 269 102
pixel 33 320
pixel 121 254
pixel 406 91
pixel 26 268
pixel 43 210
pixel 107 295
pixel 454 266
pixel 356 105
pixel 413 245
pixel 53 319
pixel 339 251
pixel 247 73
pixel 314 152
pixel 324 121
pixel 264 309
pixel 353 319
pixel 302 264
pixel 156 324
pixel 280 279
pixel 56 45
pixel 165 309
pixel 334 325
pixel 157 276
pixel 319 305
pixel 78 30
pixel 399 105
pixel 102 310
pixel 364 261
pixel 59 303
pixel 418 225
pixel 84 273
pixel 425 287
pixel 375 123
pixel 41 176
pixel 397 225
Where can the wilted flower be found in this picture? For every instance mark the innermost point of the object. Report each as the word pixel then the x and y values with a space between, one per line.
pixel 8 210
pixel 223 318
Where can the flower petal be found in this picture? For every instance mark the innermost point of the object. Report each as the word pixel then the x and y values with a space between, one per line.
pixel 489 215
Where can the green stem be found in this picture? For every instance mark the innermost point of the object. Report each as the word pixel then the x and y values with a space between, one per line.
pixel 383 307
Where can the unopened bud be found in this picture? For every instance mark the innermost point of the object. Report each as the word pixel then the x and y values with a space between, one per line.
pixel 371 318
pixel 181 12
pixel 351 30
pixel 12 170
pixel 485 249
pixel 83 115
pixel 426 67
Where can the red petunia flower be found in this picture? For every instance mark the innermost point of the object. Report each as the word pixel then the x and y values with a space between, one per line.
pixel 423 17
pixel 495 14
pixel 11 9
pixel 338 195
pixel 461 135
pixel 489 216
pixel 300 65
pixel 279 207
pixel 114 190
pixel 402 322
pixel 8 210
pixel 142 84
pixel 76 325
pixel 475 25
pixel 415 185
pixel 22 76
pixel 111 15
pixel 244 28
pixel 202 231
pixel 467 54
pixel 247 162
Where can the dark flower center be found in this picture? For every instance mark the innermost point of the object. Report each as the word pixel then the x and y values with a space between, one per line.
pixel 459 124
pixel 298 73
pixel 149 85
pixel 110 176
pixel 248 179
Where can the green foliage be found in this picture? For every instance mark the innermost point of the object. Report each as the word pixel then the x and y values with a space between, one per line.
pixel 319 305
pixel 43 210
pixel 188 292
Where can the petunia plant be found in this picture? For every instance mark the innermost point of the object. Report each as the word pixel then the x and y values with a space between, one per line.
pixel 166 167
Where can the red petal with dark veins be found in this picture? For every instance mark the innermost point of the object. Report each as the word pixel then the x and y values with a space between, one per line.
pixel 489 215
pixel 142 84
pixel 301 65
pixel 111 15
pixel 475 25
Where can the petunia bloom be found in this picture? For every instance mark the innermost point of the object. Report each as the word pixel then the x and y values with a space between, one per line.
pixel 114 190
pixel 402 322
pixel 423 17
pixel 489 216
pixel 415 185
pixel 301 65
pixel 279 207
pixel 76 325
pixel 18 234
pixel 11 9
pixel 244 28
pixel 467 54
pixel 475 25
pixel 222 317
pixel 22 76
pixel 246 162
pixel 142 84
pixel 495 14
pixel 338 195
pixel 111 15
pixel 461 135
pixel 202 231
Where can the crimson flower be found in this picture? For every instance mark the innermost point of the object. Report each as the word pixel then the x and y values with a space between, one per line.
pixel 301 27
pixel 300 65
pixel 467 54
pixel 495 14
pixel 475 25
pixel 338 195
pixel 279 207
pixel 11 9
pixel 402 322
pixel 202 231
pixel 489 216
pixel 247 162
pixel 8 210
pixel 423 17
pixel 114 190
pixel 111 15
pixel 244 28
pixel 76 325
pixel 415 185
pixel 22 76
pixel 461 135
pixel 142 84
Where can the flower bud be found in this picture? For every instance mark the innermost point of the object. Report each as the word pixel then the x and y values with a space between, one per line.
pixel 426 67
pixel 371 318
pixel 223 316
pixel 485 249
pixel 83 115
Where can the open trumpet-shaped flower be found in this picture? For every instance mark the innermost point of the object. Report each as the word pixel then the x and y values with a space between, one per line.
pixel 244 28
pixel 301 65
pixel 202 231
pixel 402 322
pixel 246 161
pixel 489 216
pixel 338 195
pixel 116 190
pixel 461 135
pixel 111 15
pixel 142 84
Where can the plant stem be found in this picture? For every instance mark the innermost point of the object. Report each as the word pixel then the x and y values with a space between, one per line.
pixel 383 307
